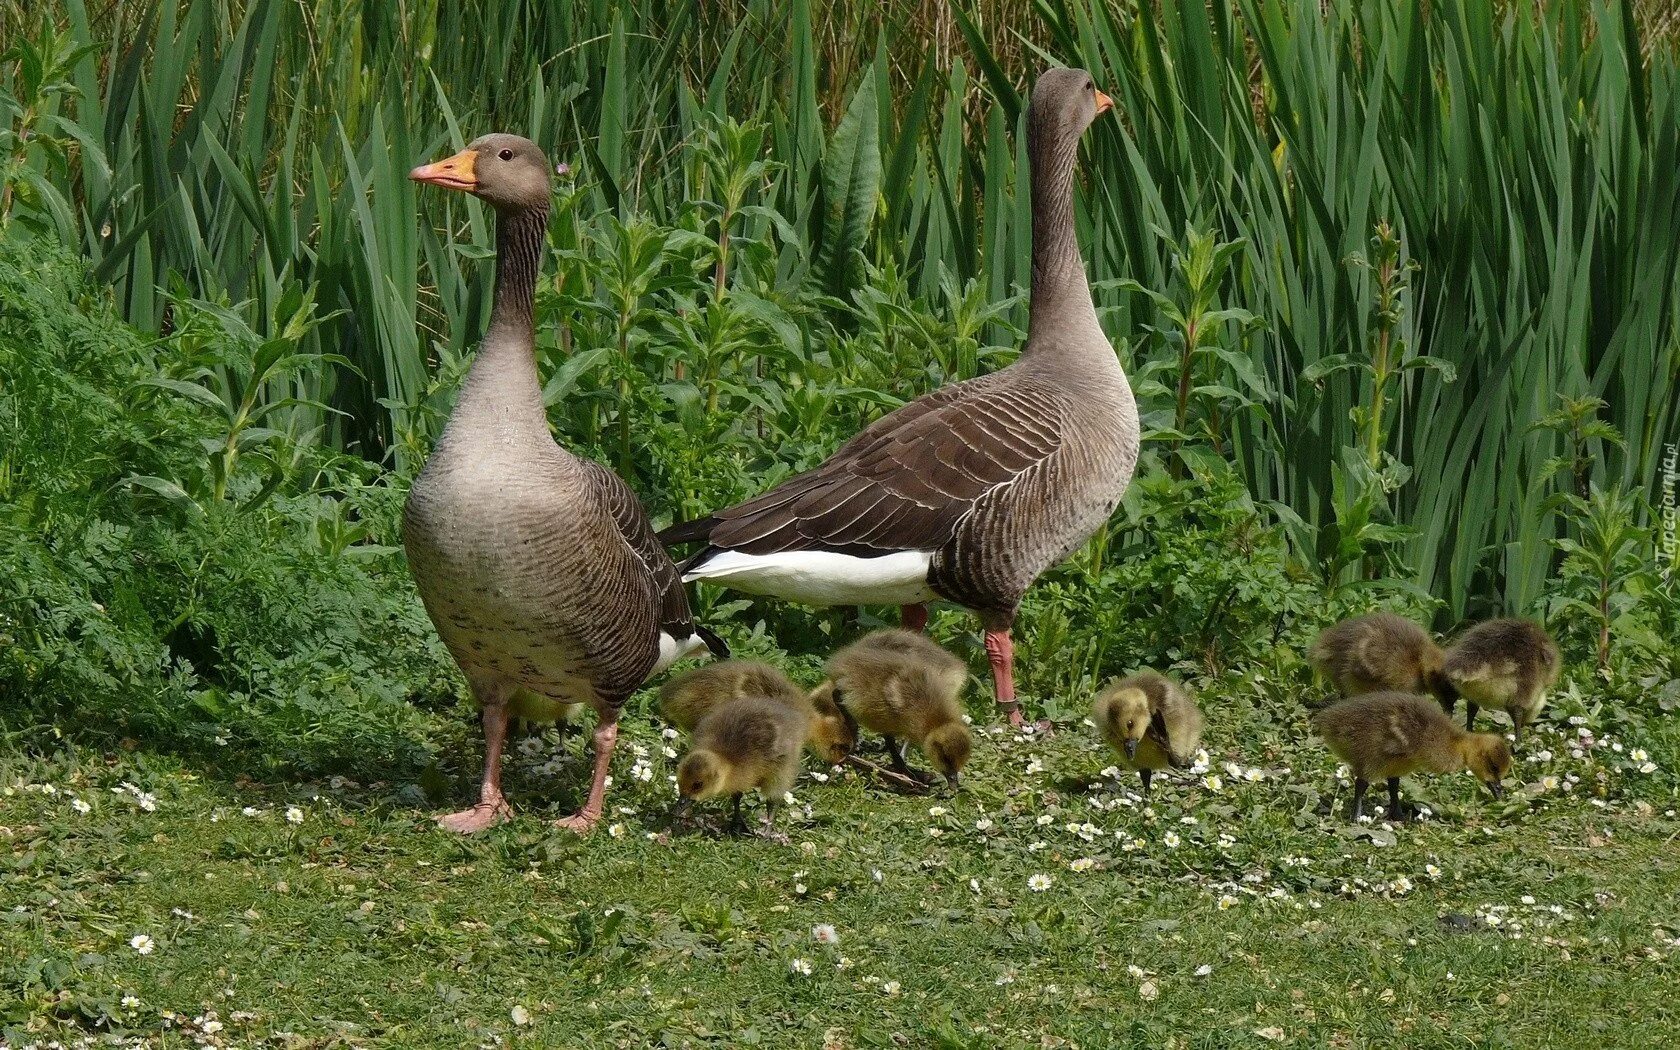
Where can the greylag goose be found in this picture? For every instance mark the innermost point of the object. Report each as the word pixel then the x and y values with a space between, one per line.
pixel 1151 720
pixel 970 492
pixel 1380 651
pixel 902 685
pixel 1505 664
pixel 539 569
pixel 1384 736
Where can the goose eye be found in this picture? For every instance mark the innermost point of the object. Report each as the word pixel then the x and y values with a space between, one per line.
pixel 1089 86
pixel 506 154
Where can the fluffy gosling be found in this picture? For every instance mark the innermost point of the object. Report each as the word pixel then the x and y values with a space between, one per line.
pixel 1507 664
pixel 1380 651
pixel 904 686
pixel 1387 735
pixel 528 712
pixel 689 697
pixel 1151 720
pixel 741 745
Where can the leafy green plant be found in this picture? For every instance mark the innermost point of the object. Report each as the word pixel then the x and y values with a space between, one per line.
pixel 241 379
pixel 38 142
pixel 1587 438
pixel 1209 380
pixel 1608 580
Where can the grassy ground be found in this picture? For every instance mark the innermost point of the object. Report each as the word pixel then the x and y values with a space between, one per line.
pixel 1229 912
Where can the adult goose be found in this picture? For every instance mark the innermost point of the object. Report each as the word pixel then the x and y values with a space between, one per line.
pixel 968 493
pixel 539 569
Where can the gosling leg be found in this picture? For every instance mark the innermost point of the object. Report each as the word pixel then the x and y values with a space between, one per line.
pixel 895 748
pixel 1395 811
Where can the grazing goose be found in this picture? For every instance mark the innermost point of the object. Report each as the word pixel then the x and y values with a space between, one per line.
pixel 1380 651
pixel 746 743
pixel 1152 721
pixel 688 698
pixel 904 686
pixel 539 569
pixel 1388 735
pixel 1507 664
pixel 968 493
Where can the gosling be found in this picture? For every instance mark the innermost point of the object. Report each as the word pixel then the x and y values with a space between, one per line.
pixel 1381 651
pixel 1152 721
pixel 904 686
pixel 741 745
pixel 1506 664
pixel 689 697
pixel 1387 735
pixel 528 712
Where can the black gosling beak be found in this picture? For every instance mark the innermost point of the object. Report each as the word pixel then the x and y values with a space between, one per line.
pixel 953 781
pixel 1496 790
pixel 1131 749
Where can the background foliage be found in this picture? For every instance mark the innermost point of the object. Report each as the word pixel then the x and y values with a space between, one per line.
pixel 1398 285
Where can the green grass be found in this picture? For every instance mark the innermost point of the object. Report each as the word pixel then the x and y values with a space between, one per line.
pixel 362 925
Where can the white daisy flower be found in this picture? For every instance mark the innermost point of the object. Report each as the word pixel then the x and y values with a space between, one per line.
pixel 520 1016
pixel 294 815
pixel 142 944
pixel 800 967
pixel 1039 883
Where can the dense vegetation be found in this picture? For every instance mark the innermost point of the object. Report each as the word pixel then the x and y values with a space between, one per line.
pixel 1398 285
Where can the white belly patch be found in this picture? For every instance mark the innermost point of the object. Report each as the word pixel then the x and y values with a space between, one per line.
pixel 822 577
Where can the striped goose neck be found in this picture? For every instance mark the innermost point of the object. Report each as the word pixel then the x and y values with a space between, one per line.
pixel 519 244
pixel 1061 297
pixel 503 385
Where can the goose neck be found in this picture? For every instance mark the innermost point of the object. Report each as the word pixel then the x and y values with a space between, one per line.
pixel 1061 295
pixel 503 380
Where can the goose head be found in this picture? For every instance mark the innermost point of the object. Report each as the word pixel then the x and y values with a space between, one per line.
pixel 507 172
pixel 1064 103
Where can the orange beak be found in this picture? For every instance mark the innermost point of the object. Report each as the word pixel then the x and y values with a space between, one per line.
pixel 1104 103
pixel 452 173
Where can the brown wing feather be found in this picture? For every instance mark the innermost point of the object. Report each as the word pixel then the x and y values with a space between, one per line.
pixel 905 482
pixel 620 501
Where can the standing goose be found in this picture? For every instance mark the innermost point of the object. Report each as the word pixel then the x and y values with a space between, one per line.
pixel 972 491
pixel 539 569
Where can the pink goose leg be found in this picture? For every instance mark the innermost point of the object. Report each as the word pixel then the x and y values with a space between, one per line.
pixel 492 808
pixel 913 617
pixel 1000 650
pixel 606 735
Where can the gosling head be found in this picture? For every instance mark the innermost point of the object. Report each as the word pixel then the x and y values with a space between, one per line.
pixel 948 749
pixel 832 738
pixel 1488 757
pixel 508 172
pixel 1128 718
pixel 699 775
